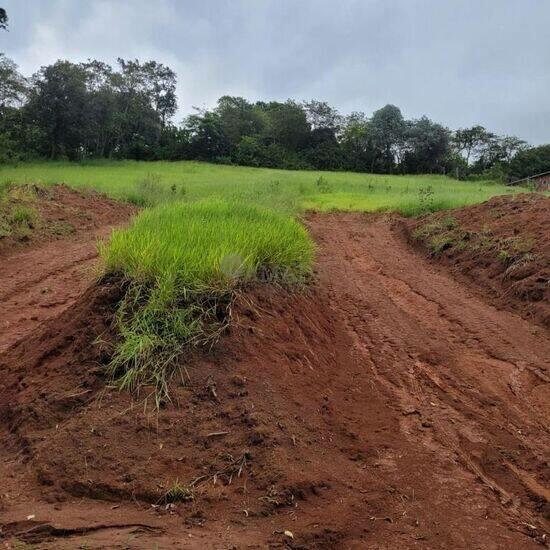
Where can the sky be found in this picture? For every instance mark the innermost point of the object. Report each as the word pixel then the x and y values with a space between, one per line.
pixel 460 62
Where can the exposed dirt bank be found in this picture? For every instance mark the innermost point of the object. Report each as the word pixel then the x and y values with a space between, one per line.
pixel 502 246
pixel 387 407
pixel 43 274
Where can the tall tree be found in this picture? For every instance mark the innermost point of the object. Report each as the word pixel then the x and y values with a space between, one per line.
pixel 57 104
pixel 321 115
pixel 13 86
pixel 287 125
pixel 531 161
pixel 239 118
pixel 357 143
pixel 388 129
pixel 470 142
pixel 428 147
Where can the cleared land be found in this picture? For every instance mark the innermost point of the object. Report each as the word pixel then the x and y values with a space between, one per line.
pixel 383 404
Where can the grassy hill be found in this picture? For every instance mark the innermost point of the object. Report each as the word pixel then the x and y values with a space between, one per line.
pixel 149 183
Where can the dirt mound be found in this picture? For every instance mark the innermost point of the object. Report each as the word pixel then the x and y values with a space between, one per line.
pixel 43 274
pixel 33 214
pixel 503 245
pixel 239 443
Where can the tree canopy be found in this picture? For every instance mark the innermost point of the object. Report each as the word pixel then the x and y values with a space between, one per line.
pixel 93 110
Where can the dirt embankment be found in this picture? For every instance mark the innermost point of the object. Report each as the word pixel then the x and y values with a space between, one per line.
pixel 502 245
pixel 34 214
pixel 386 407
pixel 46 266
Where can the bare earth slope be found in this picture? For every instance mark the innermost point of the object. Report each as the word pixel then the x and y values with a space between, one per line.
pixel 42 276
pixel 502 246
pixel 388 407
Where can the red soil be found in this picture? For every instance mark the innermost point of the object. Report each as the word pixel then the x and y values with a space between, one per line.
pixel 43 275
pixel 386 407
pixel 503 246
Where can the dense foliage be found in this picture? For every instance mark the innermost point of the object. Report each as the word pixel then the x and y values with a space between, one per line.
pixel 79 111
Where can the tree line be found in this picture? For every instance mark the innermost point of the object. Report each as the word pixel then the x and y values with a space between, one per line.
pixel 80 111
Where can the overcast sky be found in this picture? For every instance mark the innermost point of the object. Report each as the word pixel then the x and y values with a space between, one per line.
pixel 461 62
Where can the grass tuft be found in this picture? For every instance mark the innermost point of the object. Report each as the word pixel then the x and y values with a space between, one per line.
pixel 179 492
pixel 182 263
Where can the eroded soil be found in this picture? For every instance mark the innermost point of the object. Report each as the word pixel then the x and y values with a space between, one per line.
pixel 502 246
pixel 44 273
pixel 389 406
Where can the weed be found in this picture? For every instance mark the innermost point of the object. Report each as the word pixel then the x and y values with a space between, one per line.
pixel 426 199
pixel 5 228
pixel 275 186
pixel 442 242
pixel 179 492
pixel 503 255
pixel 24 215
pixel 62 228
pixel 323 185
pixel 446 223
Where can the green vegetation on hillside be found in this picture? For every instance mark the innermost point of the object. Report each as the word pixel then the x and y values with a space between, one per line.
pixel 289 191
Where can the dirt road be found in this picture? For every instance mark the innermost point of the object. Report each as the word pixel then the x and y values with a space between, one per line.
pixel 473 382
pixel 395 409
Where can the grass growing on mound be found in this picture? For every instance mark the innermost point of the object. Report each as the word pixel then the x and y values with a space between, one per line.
pixel 182 263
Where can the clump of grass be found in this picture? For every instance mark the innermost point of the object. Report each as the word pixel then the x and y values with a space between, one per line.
pixel 179 492
pixel 182 263
pixel 17 220
pixel 151 190
pixel 446 223
pixel 24 215
pixel 323 186
pixel 440 234
pixel 442 242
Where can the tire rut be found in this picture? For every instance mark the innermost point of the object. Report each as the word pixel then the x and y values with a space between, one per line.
pixel 449 359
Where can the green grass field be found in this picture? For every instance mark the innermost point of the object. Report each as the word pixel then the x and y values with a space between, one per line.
pixel 283 190
pixel 210 229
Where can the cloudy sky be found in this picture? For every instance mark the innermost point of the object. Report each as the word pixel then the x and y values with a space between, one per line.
pixel 461 62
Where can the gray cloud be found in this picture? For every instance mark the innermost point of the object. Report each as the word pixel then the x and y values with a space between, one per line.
pixel 461 62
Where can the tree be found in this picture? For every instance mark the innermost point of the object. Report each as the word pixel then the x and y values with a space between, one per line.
pixel 357 143
pixel 160 82
pixel 287 125
pixel 207 140
pixel 428 147
pixel 528 162
pixel 321 115
pixel 387 128
pixel 239 118
pixel 510 146
pixel 13 86
pixel 471 142
pixel 57 104
pixel 3 19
